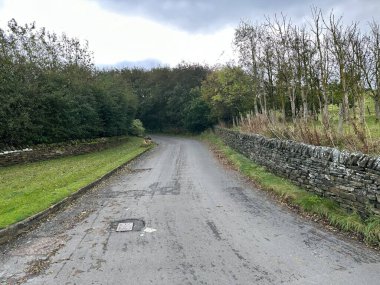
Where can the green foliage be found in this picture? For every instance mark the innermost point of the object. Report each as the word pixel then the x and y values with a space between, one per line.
pixel 292 194
pixel 137 128
pixel 30 188
pixel 117 103
pixel 50 92
pixel 164 94
pixel 228 92
pixel 197 118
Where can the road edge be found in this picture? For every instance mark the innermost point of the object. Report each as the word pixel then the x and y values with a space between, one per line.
pixel 13 231
pixel 318 218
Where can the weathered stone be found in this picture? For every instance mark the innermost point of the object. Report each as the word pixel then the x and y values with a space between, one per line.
pixel 346 188
pixel 352 179
pixel 348 196
pixel 361 199
pixel 376 164
pixel 371 197
pixel 335 155
pixel 354 158
pixel 343 157
pixel 363 160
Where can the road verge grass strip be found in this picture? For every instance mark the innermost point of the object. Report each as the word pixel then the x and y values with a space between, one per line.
pixel 29 189
pixel 306 202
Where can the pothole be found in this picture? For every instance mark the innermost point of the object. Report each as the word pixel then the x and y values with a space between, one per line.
pixel 128 225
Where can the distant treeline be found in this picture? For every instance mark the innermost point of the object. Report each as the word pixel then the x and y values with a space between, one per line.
pixel 50 91
pixel 170 98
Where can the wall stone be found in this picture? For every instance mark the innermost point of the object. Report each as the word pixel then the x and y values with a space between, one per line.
pixel 351 179
pixel 57 150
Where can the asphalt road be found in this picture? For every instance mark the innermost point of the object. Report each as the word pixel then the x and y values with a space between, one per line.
pixel 194 223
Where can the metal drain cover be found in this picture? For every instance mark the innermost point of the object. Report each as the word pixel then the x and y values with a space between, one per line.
pixel 124 227
pixel 128 225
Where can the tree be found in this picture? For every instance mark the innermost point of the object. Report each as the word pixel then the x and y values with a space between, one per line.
pixel 370 65
pixel 341 38
pixel 164 94
pixel 50 92
pixel 247 42
pixel 228 92
pixel 197 115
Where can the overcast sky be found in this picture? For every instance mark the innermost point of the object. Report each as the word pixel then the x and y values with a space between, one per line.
pixel 149 32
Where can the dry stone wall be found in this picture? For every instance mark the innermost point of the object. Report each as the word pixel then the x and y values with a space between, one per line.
pixel 57 150
pixel 351 179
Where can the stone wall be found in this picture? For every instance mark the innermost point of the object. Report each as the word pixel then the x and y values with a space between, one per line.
pixel 351 179
pixel 46 152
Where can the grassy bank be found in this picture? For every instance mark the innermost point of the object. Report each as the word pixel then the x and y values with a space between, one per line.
pixel 30 188
pixel 306 202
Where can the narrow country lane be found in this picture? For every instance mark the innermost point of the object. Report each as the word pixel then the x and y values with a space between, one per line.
pixel 203 225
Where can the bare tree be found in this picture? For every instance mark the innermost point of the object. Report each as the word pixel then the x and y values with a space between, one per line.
pixel 356 57
pixel 321 44
pixel 371 65
pixel 246 40
pixel 280 29
pixel 295 69
pixel 341 38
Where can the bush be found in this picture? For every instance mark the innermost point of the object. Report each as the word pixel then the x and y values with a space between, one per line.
pixel 197 117
pixel 137 128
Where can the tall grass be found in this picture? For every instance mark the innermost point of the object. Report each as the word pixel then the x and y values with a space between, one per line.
pixel 355 137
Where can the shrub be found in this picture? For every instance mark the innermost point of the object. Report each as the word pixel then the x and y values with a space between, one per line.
pixel 137 128
pixel 197 116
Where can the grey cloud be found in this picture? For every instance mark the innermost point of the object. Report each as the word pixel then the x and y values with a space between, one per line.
pixel 200 15
pixel 196 15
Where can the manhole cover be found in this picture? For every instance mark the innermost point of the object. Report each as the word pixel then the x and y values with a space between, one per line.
pixel 128 225
pixel 124 227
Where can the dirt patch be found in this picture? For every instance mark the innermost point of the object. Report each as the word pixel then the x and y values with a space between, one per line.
pixel 37 266
pixel 40 246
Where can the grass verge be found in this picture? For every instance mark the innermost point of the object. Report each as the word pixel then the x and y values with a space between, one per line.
pixel 306 202
pixel 30 188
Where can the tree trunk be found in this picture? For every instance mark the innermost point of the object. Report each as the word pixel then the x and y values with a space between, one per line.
pixel 377 107
pixel 325 110
pixel 341 118
pixel 255 105
pixel 304 104
pixel 265 111
pixel 292 98
pixel 346 106
pixel 354 109
pixel 362 111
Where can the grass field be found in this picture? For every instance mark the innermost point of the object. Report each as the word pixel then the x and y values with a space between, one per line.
pixel 373 128
pixel 30 188
pixel 307 202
